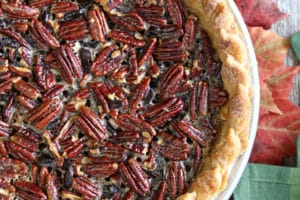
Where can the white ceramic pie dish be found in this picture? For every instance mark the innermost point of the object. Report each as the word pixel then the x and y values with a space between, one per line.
pixel 240 163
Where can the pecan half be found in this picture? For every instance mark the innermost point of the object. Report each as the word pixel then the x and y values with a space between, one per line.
pixel 29 191
pixel 171 147
pixel 131 123
pixel 40 3
pixel 174 11
pixel 19 11
pixel 148 52
pixel 217 97
pixel 11 168
pixel 131 21
pixel 138 94
pixel 70 66
pixel 87 188
pixel 63 7
pixel 171 80
pixel 74 149
pixel 189 31
pixel 5 129
pixel 164 111
pixel 21 151
pixel 135 177
pixel 109 59
pixel 101 170
pixel 21 71
pixel 44 77
pixel 27 90
pixel 42 34
pixel 199 100
pixel 90 124
pixel 52 187
pixel 176 179
pixel 109 153
pixel 170 50
pixel 75 29
pixel 42 115
pixel 7 32
pixel 187 129
pixel 160 192
pixel 98 24
pixel 125 37
pixel 26 102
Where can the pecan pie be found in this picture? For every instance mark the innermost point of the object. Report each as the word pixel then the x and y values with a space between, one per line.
pixel 120 99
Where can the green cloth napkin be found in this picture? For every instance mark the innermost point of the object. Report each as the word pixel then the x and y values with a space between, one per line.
pixel 267 182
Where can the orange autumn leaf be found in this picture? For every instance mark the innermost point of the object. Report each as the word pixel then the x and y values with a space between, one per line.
pixel 279 122
pixel 270 49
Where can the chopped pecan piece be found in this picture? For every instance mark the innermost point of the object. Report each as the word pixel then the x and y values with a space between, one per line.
pixel 29 191
pixel 42 115
pixel 87 188
pixel 75 29
pixel 164 111
pixel 54 148
pixel 109 5
pixel 135 177
pixel 171 147
pixel 19 11
pixel 6 189
pixel 98 24
pixel 70 66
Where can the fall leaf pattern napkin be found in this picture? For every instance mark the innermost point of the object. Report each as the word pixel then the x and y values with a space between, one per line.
pixel 268 182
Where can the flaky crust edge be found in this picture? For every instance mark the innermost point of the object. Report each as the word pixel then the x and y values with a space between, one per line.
pixel 217 20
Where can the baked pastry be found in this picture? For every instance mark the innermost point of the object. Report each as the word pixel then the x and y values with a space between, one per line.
pixel 112 99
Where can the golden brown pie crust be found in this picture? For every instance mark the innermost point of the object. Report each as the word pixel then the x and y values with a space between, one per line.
pixel 217 19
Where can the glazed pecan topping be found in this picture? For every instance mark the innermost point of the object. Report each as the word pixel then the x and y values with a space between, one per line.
pixel 104 99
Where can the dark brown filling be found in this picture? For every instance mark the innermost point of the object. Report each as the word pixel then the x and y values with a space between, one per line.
pixel 104 99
